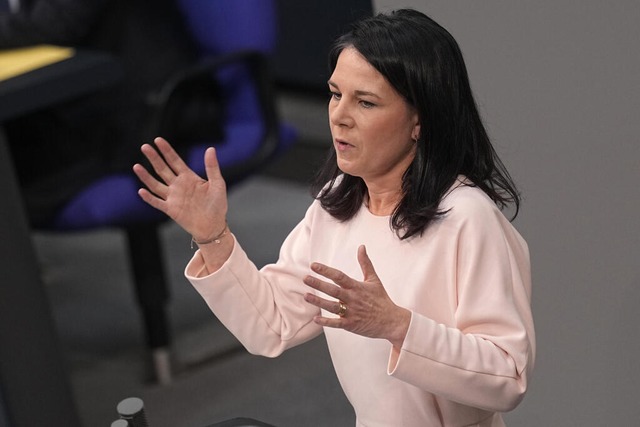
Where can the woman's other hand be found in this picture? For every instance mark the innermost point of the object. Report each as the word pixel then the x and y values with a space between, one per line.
pixel 364 307
pixel 197 205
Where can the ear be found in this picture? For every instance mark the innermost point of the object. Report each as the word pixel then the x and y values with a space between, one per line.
pixel 415 132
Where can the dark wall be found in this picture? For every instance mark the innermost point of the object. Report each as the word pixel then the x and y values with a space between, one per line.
pixel 306 32
pixel 3 413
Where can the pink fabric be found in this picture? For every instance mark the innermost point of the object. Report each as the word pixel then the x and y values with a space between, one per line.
pixel 470 345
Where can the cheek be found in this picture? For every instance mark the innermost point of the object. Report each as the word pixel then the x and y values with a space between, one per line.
pixel 388 135
pixel 391 142
pixel 380 129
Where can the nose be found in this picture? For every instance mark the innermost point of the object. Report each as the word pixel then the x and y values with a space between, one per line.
pixel 340 114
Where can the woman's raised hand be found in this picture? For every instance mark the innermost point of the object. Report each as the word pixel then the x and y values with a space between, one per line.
pixel 197 205
pixel 363 307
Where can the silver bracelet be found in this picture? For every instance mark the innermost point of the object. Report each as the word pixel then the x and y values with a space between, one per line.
pixel 215 240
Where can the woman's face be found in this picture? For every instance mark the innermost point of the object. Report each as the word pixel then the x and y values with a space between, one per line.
pixel 372 126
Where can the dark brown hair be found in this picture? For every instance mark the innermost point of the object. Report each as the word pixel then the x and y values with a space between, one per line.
pixel 423 62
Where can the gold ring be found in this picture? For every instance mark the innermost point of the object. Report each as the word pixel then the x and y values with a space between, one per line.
pixel 343 309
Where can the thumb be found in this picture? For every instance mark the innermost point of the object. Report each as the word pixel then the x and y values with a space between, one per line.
pixel 211 165
pixel 366 265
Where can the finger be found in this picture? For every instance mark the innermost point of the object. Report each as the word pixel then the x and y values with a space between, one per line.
pixel 211 165
pixel 330 306
pixel 152 200
pixel 324 287
pixel 336 322
pixel 337 276
pixel 366 265
pixel 153 185
pixel 172 158
pixel 158 163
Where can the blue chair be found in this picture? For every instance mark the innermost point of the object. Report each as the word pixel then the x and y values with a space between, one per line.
pixel 236 39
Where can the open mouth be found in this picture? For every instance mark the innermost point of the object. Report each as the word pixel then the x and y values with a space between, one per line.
pixel 342 145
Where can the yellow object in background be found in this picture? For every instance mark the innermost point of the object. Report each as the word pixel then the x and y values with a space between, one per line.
pixel 14 62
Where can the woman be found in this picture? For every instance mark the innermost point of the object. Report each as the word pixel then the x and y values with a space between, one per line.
pixel 404 260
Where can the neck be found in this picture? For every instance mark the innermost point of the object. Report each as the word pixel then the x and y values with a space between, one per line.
pixel 382 202
pixel 384 192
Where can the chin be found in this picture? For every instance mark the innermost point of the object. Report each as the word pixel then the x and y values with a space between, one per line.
pixel 345 165
pixel 346 169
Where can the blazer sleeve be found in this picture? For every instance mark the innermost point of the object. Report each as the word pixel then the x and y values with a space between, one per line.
pixel 264 309
pixel 485 358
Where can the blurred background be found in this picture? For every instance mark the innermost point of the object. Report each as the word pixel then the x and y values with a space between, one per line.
pixel 557 85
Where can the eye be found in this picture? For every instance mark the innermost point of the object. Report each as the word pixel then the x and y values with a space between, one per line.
pixel 367 104
pixel 335 95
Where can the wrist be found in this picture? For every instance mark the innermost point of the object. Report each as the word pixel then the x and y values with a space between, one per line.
pixel 401 327
pixel 213 238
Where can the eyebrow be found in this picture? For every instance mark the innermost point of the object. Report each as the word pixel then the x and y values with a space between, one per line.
pixel 357 92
